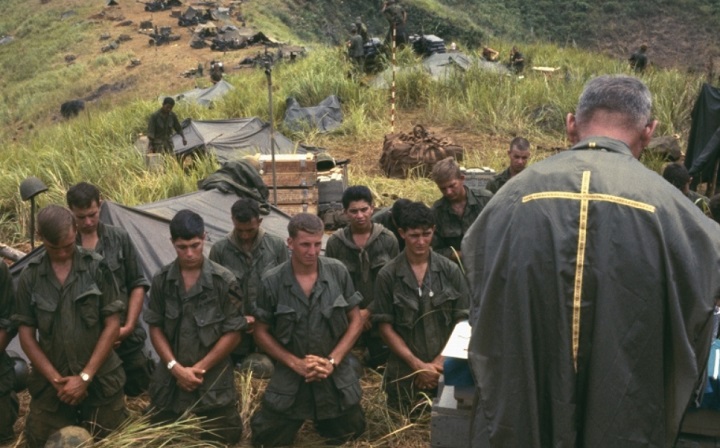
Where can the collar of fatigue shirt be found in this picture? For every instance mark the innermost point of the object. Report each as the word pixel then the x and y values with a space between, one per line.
pixel 256 243
pixel 204 281
pixel 289 280
pixel 603 143
pixel 405 270
pixel 45 268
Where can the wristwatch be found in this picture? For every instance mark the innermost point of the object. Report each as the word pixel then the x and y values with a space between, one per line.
pixel 85 377
pixel 332 361
pixel 171 364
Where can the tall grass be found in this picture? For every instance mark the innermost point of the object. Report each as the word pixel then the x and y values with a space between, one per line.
pixel 98 146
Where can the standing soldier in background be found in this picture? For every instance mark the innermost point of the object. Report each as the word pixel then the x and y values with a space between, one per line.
pixel 68 316
pixel 396 16
pixel 8 400
pixel 356 52
pixel 161 125
pixel 361 29
pixel 519 153
pixel 638 60
pixel 115 246
pixel 248 251
pixel 456 210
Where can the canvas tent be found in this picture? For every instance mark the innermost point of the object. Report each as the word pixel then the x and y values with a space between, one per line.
pixel 443 65
pixel 231 139
pixel 324 117
pixel 704 142
pixel 205 97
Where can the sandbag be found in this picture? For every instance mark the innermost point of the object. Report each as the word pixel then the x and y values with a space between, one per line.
pixel 416 153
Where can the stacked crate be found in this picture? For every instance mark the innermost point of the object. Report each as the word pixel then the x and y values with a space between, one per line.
pixel 296 176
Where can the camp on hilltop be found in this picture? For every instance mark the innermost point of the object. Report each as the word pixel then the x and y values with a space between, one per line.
pixel 290 88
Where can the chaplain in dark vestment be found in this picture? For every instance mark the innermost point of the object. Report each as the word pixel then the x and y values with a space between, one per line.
pixel 593 285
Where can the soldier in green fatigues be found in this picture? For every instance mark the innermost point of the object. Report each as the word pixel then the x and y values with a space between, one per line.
pixel 364 248
pixel 356 52
pixel 519 153
pixel 419 296
pixel 69 296
pixel 195 318
pixel 248 252
pixel 8 400
pixel 161 125
pixel 115 246
pixel 361 29
pixel 457 209
pixel 308 320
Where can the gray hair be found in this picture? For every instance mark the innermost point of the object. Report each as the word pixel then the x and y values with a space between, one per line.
pixel 619 94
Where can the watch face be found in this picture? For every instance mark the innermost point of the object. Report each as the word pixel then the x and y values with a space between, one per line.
pixel 85 377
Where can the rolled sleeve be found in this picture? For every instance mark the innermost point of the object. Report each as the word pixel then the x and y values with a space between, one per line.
pixel 154 312
pixel 24 314
pixel 354 300
pixel 264 306
pixel 135 277
pixel 114 307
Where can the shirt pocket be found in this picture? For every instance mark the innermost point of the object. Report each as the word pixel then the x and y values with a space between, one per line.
pixel 45 313
pixel 443 304
pixel 336 316
pixel 406 310
pixel 172 319
pixel 282 391
pixel 116 264
pixel 285 321
pixel 88 305
pixel 209 323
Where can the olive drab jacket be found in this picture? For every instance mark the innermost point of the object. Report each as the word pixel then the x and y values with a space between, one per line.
pixel 69 320
pixel 593 287
pixel 363 264
pixel 449 227
pixel 267 252
pixel 309 325
pixel 424 315
pixel 193 322
pixel 160 129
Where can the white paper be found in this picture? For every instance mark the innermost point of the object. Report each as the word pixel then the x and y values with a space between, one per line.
pixel 457 345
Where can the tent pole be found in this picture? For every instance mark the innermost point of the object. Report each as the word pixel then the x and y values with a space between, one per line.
pixel 268 73
pixel 714 180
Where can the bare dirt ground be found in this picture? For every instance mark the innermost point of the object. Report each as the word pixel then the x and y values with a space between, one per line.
pixel 161 67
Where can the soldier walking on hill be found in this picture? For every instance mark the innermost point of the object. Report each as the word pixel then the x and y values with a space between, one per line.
pixel 638 60
pixel 161 125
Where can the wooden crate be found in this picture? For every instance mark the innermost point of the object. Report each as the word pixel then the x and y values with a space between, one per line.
pixel 291 170
pixel 305 179
pixel 287 195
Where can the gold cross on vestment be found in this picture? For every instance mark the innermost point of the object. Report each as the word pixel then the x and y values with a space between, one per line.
pixel 584 197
